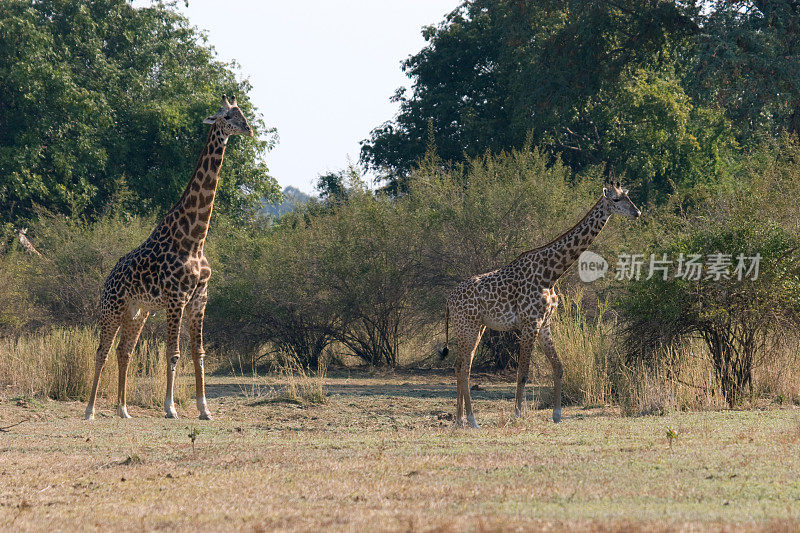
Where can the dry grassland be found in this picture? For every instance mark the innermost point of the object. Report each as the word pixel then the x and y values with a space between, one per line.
pixel 380 454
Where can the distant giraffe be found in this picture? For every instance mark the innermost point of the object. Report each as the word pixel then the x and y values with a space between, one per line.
pixel 26 244
pixel 169 270
pixel 520 296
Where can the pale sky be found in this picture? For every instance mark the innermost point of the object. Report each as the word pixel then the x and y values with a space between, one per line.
pixel 322 70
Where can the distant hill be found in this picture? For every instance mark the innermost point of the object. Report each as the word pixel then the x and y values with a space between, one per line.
pixel 292 197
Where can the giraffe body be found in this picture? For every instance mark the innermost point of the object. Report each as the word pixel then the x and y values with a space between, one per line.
pixel 521 296
pixel 168 271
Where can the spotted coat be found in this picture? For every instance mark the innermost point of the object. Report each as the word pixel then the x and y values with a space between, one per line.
pixel 521 296
pixel 168 271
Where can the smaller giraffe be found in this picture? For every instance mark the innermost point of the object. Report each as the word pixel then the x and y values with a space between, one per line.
pixel 520 296
pixel 26 244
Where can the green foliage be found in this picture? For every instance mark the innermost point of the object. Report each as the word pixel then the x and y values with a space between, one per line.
pixel 591 81
pixel 103 100
pixel 737 318
pixel 669 93
pixel 371 273
pixel 63 287
pixel 747 63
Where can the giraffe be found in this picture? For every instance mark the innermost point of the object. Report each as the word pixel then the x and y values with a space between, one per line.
pixel 170 271
pixel 521 296
pixel 26 244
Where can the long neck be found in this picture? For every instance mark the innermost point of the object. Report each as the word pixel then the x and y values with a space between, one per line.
pixel 189 219
pixel 562 253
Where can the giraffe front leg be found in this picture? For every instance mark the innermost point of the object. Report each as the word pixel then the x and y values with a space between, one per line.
pixel 527 340
pixel 108 330
pixel 549 349
pixel 197 308
pixel 131 329
pixel 174 315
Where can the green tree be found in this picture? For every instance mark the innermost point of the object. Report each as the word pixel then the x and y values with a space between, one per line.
pixel 591 81
pixel 736 318
pixel 747 61
pixel 102 100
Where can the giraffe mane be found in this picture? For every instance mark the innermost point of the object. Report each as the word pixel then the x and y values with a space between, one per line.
pixel 562 235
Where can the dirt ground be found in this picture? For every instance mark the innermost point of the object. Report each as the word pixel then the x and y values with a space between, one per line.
pixel 381 454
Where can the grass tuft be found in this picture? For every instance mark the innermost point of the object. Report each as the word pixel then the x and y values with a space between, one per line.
pixel 59 364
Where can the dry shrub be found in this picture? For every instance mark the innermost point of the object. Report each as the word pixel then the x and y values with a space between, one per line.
pixel 302 387
pixel 776 374
pixel 683 379
pixel 586 351
pixel 59 364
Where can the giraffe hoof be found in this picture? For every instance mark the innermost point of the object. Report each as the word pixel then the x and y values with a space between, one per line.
pixel 517 413
pixel 459 423
pixel 171 414
pixel 89 415
pixel 472 423
pixel 557 417
pixel 206 416
pixel 123 412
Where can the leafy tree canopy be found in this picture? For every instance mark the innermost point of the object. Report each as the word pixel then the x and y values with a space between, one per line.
pixel 639 84
pixel 103 103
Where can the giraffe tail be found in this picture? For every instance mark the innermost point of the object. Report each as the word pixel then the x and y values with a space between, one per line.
pixel 444 351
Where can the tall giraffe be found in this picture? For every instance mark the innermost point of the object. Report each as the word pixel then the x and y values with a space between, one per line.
pixel 520 296
pixel 169 270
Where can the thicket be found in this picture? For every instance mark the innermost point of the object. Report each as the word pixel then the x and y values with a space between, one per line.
pixel 515 108
pixel 366 275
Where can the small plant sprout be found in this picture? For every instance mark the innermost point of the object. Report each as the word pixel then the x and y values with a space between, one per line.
pixel 193 434
pixel 671 435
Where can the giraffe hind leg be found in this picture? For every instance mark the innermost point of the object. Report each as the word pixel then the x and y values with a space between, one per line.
pixel 108 330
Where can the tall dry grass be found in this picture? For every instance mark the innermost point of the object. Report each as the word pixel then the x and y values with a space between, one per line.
pixel 586 349
pixel 682 379
pixel 59 364
pixel 776 373
pixel 597 373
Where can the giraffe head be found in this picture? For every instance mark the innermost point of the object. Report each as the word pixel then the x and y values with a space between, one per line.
pixel 616 201
pixel 230 118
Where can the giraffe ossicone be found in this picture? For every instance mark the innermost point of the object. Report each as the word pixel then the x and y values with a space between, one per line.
pixel 521 296
pixel 168 271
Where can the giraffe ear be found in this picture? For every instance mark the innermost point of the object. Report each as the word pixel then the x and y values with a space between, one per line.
pixel 210 120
